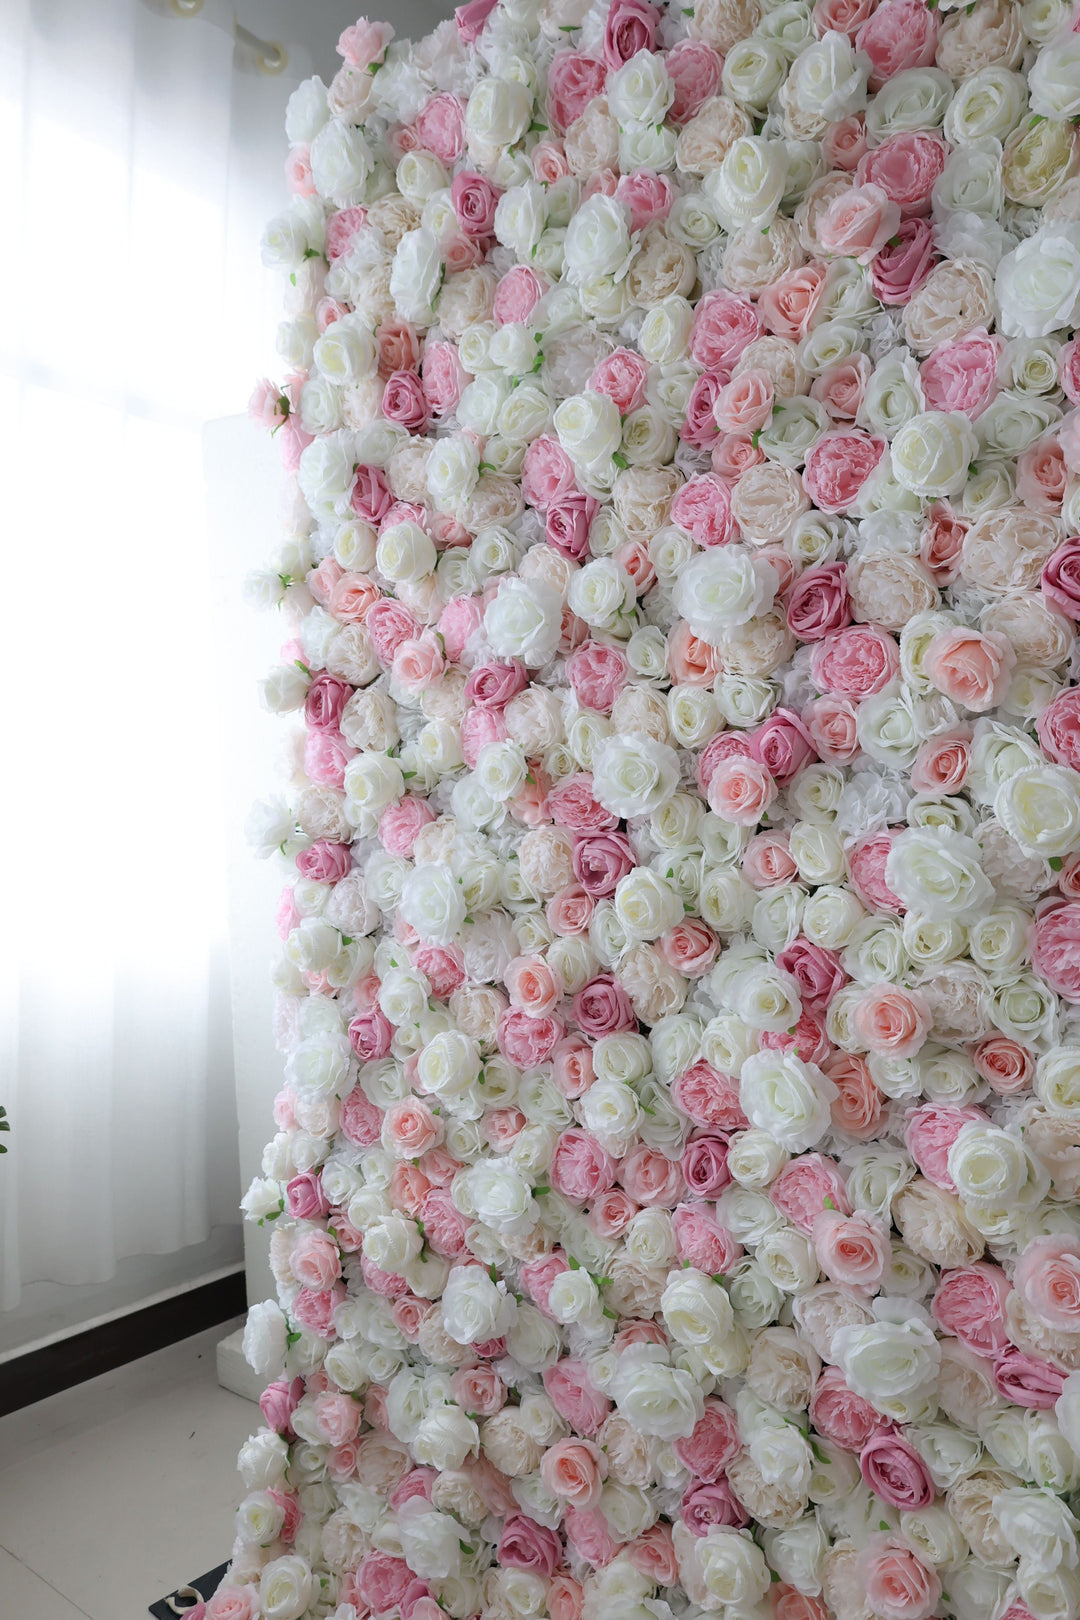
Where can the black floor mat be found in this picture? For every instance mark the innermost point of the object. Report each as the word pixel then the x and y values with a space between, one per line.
pixel 167 1608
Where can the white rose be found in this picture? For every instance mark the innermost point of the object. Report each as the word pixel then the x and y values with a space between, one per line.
pixel 265 1339
pixel 598 239
pixel 634 775
pixel 1054 79
pixel 500 1196
pixel 657 1399
pixel 445 1438
pixel 264 1458
pixel 452 470
pixel 430 1542
pixel 747 187
pixel 665 332
pixel 1041 1526
pixel 589 427
pixel 1038 284
pixel 448 1064
pixel 699 1316
pixel 416 275
pixel 936 872
pixel 524 620
pixel 786 1098
pixel 640 92
pixel 498 112
pixel 733 1567
pixel 1057 1082
pixel 723 587
pixel 987 106
pixel 931 453
pixel 1040 808
pixel 341 161
pixel 827 82
pixel 306 113
pixel 885 1362
pixel 520 218
pixel 602 593
pixel 433 904
pixel 285 1588
pixel 405 554
pixel 473 1307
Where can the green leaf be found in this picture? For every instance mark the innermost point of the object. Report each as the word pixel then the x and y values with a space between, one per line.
pixel 303 667
pixel 620 460
pixel 541 1192
pixel 575 1265
pixel 1056 863
pixel 493 1272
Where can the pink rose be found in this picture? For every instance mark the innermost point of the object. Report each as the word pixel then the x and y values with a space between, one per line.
pixel 816 971
pixel 323 862
pixel 410 1128
pixel 326 755
pixel 370 496
pixel 726 745
pixel 844 142
pixel 1059 729
pixel 703 1506
pixel 840 16
pixel 404 401
pixel 1047 1278
pixel 741 790
pixel 621 376
pixel 690 947
pixel 1007 1067
pixel 570 911
pixel 597 673
pixel 651 1178
pixel 787 306
pixel 708 1098
pixel 841 388
pixel 479 727
pixel 418 663
pixel 600 861
pixel 399 348
pixel 602 1007
pixel 589 1534
pixel 713 1443
pixel 858 1105
pixel 896 1583
pixel 782 745
pixel 304 1197
pixel 858 222
pixel 575 1397
pixel 631 27
pixel 532 984
pixel 547 472
pixel 574 1471
pixel 315 1261
pixel 1026 1380
pixel 364 43
pixel 702 1242
pixel 819 604
pixel 970 1304
pixel 704 1165
pixel 340 230
pixel 474 200
pixel 839 465
pixel 1068 361
pixel 971 667
pixel 866 867
pixel 653 1554
pixel 1061 579
pixel 527 1041
pixel 1055 948
pixel 569 518
pixel 574 80
pixel 370 1034
pixel 767 860
pixel 493 685
pixel 470 19
pixel 906 167
pixel 961 376
pixel 839 1414
pixel 382 1581
pixel 268 406
pixel 233 1603
pixel 517 295
pixel 930 1133
pixel 833 730
pixel 808 1186
pixel 744 405
pixel 900 268
pixel 724 325
pixel 315 1310
pixel 459 621
pixel 1042 474
pixel 443 378
pixel 895 1472
pixel 401 824
pixel 564 1598
pixel 648 196
pixel 278 1402
pixel 699 424
pixel 527 1545
pixel 890 1021
pixel 900 34
pixel 444 1227
pixel 855 662
pixel 695 69
pixel 942 763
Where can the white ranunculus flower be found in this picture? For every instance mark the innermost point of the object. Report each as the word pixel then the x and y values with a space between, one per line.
pixel 787 1098
pixel 723 587
pixel 524 620
pixel 1038 283
pixel 634 775
pixel 932 452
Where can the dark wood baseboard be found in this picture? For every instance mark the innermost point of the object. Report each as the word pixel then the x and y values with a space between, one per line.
pixel 30 1378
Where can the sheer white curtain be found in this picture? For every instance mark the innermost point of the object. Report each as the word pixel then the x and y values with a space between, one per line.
pixel 123 328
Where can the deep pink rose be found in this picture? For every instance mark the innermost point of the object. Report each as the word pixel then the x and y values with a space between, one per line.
pixel 1055 948
pixel 528 1041
pixel 900 268
pixel 703 508
pixel 470 19
pixel 818 603
pixel 703 1506
pixel 1059 728
pixel 699 427
pixel 580 1168
pixel 929 1134
pixel 631 27
pixel 702 1242
pixel 574 80
pixel 970 1304
pixel 569 518
pixel 713 1443
pixel 838 466
pixel 896 1472
pixel 524 1544
pixel 1027 1381
pixel 724 324
pixel 370 497
pixel 839 1414
pixel 602 1007
pixel 705 1166
pixel 600 861
pixel 1061 579
pixel 695 69
pixel 323 862
pixel 801 1189
pixel 900 34
pixel 325 702
pixel 906 167
pixel 278 1402
pixel 493 685
pixel 304 1197
pixel 708 1098
pixel 961 376
pixel 404 401
pixel 575 1397
pixel 474 199
pixel 815 969
pixel 783 745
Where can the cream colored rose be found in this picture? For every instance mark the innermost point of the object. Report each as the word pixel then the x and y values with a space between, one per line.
pixel 707 138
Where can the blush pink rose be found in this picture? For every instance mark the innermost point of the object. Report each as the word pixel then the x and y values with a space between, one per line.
pixel 858 222
pixel 808 1186
pixel 906 167
pixel 611 1214
pixel 741 790
pixel 971 667
pixel 732 454
pixel 537 1277
pixel 839 1414
pixel 651 1178
pixel 831 722
pixel 1007 1067
pixel 479 727
pixel 572 804
pixel 1058 728
pixel 942 763
pixel 547 472
pixel 1055 948
pixel 726 745
pixel 840 16
pixel 852 1250
pixel 401 824
pixel 364 43
pixel 527 1041
pixel 690 947
pixel 410 1128
pixel 418 663
pixel 695 69
pixel 962 376
pixel 370 1034
pixel 1042 475
pixel 361 1120
pixel 708 1098
pixel 900 34
pixel 897 1584
pixel 580 1168
pixel 713 1443
pixel 844 142
pixel 690 661
pixel 787 305
pixel 1047 1278
pixel 858 1105
pixel 900 268
pixel 532 984
pixel 929 1135
pixel 570 911
pixel 443 378
pixel 574 1471
pixel 838 466
pixel 891 1021
pixel 768 861
pixel 745 404
pixel 724 325
pixel 575 1397
pixel 315 1261
pixel 440 127
pixel 517 295
pixel 841 388
pixel 574 79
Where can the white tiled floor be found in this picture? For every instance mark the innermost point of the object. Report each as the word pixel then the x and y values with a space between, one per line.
pixel 119 1490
